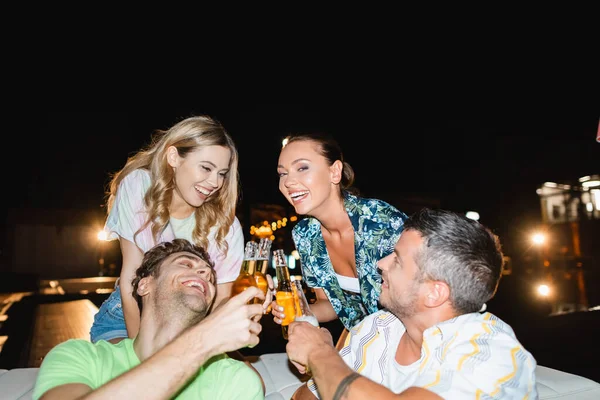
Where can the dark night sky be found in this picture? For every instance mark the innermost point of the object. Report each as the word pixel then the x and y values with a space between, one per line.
pixel 488 162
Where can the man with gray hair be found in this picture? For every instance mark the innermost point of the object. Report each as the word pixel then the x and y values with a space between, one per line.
pixel 430 341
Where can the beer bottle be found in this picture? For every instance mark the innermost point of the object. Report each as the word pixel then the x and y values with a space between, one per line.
pixel 246 277
pixel 296 296
pixel 262 264
pixel 303 311
pixel 285 293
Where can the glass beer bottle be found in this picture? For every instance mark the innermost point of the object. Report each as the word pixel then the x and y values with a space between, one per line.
pixel 246 277
pixel 262 264
pixel 296 297
pixel 285 293
pixel 303 312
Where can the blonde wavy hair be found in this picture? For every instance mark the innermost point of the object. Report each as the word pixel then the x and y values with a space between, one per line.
pixel 187 135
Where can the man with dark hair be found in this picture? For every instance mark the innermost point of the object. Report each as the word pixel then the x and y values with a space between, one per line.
pixel 430 341
pixel 180 350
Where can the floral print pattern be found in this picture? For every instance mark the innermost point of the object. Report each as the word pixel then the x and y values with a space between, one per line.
pixel 377 227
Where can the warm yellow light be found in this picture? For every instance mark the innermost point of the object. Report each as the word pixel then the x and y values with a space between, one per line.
pixel 543 290
pixel 596 194
pixel 538 238
pixel 102 235
pixel 591 183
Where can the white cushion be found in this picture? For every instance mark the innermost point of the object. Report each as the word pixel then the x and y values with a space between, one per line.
pixel 282 380
pixel 281 377
pixel 555 384
pixel 17 383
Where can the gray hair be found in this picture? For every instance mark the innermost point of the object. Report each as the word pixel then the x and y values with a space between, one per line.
pixel 461 252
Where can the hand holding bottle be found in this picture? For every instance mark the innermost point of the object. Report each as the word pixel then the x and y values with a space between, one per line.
pixel 285 309
pixel 303 311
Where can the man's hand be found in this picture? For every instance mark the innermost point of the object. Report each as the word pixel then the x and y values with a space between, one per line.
pixel 305 339
pixel 234 325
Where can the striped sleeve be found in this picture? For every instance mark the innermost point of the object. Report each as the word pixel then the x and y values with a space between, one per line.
pixel 359 349
pixel 491 364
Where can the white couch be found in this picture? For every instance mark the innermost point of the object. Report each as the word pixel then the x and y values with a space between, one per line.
pixel 282 380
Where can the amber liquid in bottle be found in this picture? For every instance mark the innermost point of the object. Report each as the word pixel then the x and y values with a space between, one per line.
pixel 285 293
pixel 296 297
pixel 246 277
pixel 260 276
pixel 262 264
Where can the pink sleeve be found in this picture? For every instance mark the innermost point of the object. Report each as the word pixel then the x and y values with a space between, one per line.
pixel 228 268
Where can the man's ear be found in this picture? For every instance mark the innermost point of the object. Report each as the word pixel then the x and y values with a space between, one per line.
pixel 173 156
pixel 438 293
pixel 143 286
pixel 336 171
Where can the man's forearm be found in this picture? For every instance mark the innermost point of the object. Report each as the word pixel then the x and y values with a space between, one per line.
pixel 336 381
pixel 223 295
pixel 329 371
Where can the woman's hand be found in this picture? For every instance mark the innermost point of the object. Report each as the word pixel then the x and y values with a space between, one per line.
pixel 277 312
pixel 268 297
pixel 322 309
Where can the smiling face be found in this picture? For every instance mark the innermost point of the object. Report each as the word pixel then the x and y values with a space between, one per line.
pixel 306 178
pixel 198 175
pixel 185 282
pixel 401 287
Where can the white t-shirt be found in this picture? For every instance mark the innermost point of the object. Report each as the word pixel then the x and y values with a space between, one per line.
pixel 128 214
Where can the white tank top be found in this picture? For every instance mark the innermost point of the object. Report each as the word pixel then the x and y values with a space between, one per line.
pixel 349 284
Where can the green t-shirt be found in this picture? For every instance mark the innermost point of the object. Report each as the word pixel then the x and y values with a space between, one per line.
pixel 94 364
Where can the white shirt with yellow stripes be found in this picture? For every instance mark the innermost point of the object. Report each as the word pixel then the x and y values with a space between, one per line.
pixel 473 356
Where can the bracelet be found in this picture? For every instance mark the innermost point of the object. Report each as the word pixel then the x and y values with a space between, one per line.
pixel 343 386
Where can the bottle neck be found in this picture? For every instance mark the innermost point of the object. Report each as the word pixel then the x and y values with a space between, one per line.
pixel 262 264
pixel 248 267
pixel 283 277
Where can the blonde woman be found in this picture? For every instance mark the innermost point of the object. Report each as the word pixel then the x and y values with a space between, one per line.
pixel 183 185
